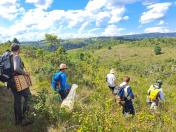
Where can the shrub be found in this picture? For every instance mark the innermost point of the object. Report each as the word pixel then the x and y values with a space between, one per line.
pixel 109 48
pixel 157 50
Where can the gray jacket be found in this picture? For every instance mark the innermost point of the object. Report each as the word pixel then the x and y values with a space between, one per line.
pixel 18 65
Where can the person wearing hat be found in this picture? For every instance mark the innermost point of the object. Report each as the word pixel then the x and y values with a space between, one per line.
pixel 59 82
pixel 110 78
pixel 155 93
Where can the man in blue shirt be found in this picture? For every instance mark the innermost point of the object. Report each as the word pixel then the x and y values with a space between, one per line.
pixel 126 96
pixel 59 82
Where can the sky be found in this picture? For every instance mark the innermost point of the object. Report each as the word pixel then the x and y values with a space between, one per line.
pixel 30 20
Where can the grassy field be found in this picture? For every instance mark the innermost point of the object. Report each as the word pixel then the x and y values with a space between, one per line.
pixel 95 108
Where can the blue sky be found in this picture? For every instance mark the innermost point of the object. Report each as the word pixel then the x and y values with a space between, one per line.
pixel 30 20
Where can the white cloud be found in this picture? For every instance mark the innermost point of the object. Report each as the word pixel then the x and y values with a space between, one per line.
pixel 155 12
pixel 149 2
pixel 89 21
pixel 5 2
pixel 83 27
pixel 117 14
pixel 10 9
pixel 157 29
pixel 95 5
pixel 161 22
pixel 44 4
pixel 101 17
pixel 125 18
pixel 112 30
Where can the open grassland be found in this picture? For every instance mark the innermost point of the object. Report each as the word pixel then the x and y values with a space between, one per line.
pixel 95 108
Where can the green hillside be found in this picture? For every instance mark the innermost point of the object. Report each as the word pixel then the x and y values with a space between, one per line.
pixel 95 108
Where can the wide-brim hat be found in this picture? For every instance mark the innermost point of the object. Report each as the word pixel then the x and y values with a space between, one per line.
pixel 112 71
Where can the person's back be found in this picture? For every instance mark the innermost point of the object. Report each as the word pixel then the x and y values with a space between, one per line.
pixel 155 93
pixel 126 96
pixel 110 78
pixel 59 80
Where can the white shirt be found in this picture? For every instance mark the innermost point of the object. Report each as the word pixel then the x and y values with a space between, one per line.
pixel 126 86
pixel 111 80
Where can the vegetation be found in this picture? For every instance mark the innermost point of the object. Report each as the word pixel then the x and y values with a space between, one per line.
pixel 15 40
pixel 95 108
pixel 157 50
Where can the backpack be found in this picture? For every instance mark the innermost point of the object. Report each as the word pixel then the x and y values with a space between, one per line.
pixel 6 67
pixel 154 94
pixel 122 93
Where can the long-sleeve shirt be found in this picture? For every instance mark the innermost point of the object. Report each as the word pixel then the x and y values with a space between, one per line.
pixel 59 81
pixel 161 94
pixel 18 65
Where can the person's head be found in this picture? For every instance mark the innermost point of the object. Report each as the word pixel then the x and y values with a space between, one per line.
pixel 112 71
pixel 126 79
pixel 159 83
pixel 15 48
pixel 62 67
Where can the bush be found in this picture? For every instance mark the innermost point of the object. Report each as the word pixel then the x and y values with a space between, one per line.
pixel 157 50
pixel 109 48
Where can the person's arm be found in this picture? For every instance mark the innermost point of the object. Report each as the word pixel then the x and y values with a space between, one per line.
pixel 17 63
pixel 161 95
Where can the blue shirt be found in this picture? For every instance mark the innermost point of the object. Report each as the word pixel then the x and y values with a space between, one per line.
pixel 60 77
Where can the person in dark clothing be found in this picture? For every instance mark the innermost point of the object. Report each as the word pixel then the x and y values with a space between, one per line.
pixel 126 96
pixel 18 70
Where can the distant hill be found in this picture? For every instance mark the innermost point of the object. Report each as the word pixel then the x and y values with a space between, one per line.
pixel 150 35
pixel 82 42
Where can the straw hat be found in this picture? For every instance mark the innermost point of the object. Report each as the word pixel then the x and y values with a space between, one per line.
pixel 112 71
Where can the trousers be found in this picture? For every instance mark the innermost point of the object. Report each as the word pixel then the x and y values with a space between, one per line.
pixel 20 108
pixel 128 107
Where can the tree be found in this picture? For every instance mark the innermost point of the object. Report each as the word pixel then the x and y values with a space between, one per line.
pixel 52 40
pixel 15 40
pixel 157 50
pixel 109 48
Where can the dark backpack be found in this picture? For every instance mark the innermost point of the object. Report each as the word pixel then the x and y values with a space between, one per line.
pixel 6 67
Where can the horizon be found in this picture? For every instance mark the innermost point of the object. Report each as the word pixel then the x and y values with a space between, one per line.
pixel 30 20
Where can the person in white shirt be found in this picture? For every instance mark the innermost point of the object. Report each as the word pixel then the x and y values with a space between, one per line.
pixel 110 78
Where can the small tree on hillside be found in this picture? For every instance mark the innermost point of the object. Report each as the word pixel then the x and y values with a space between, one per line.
pixel 157 50
pixel 52 39
pixel 15 40
pixel 109 48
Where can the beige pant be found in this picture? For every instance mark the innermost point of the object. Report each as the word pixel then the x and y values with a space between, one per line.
pixel 153 106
